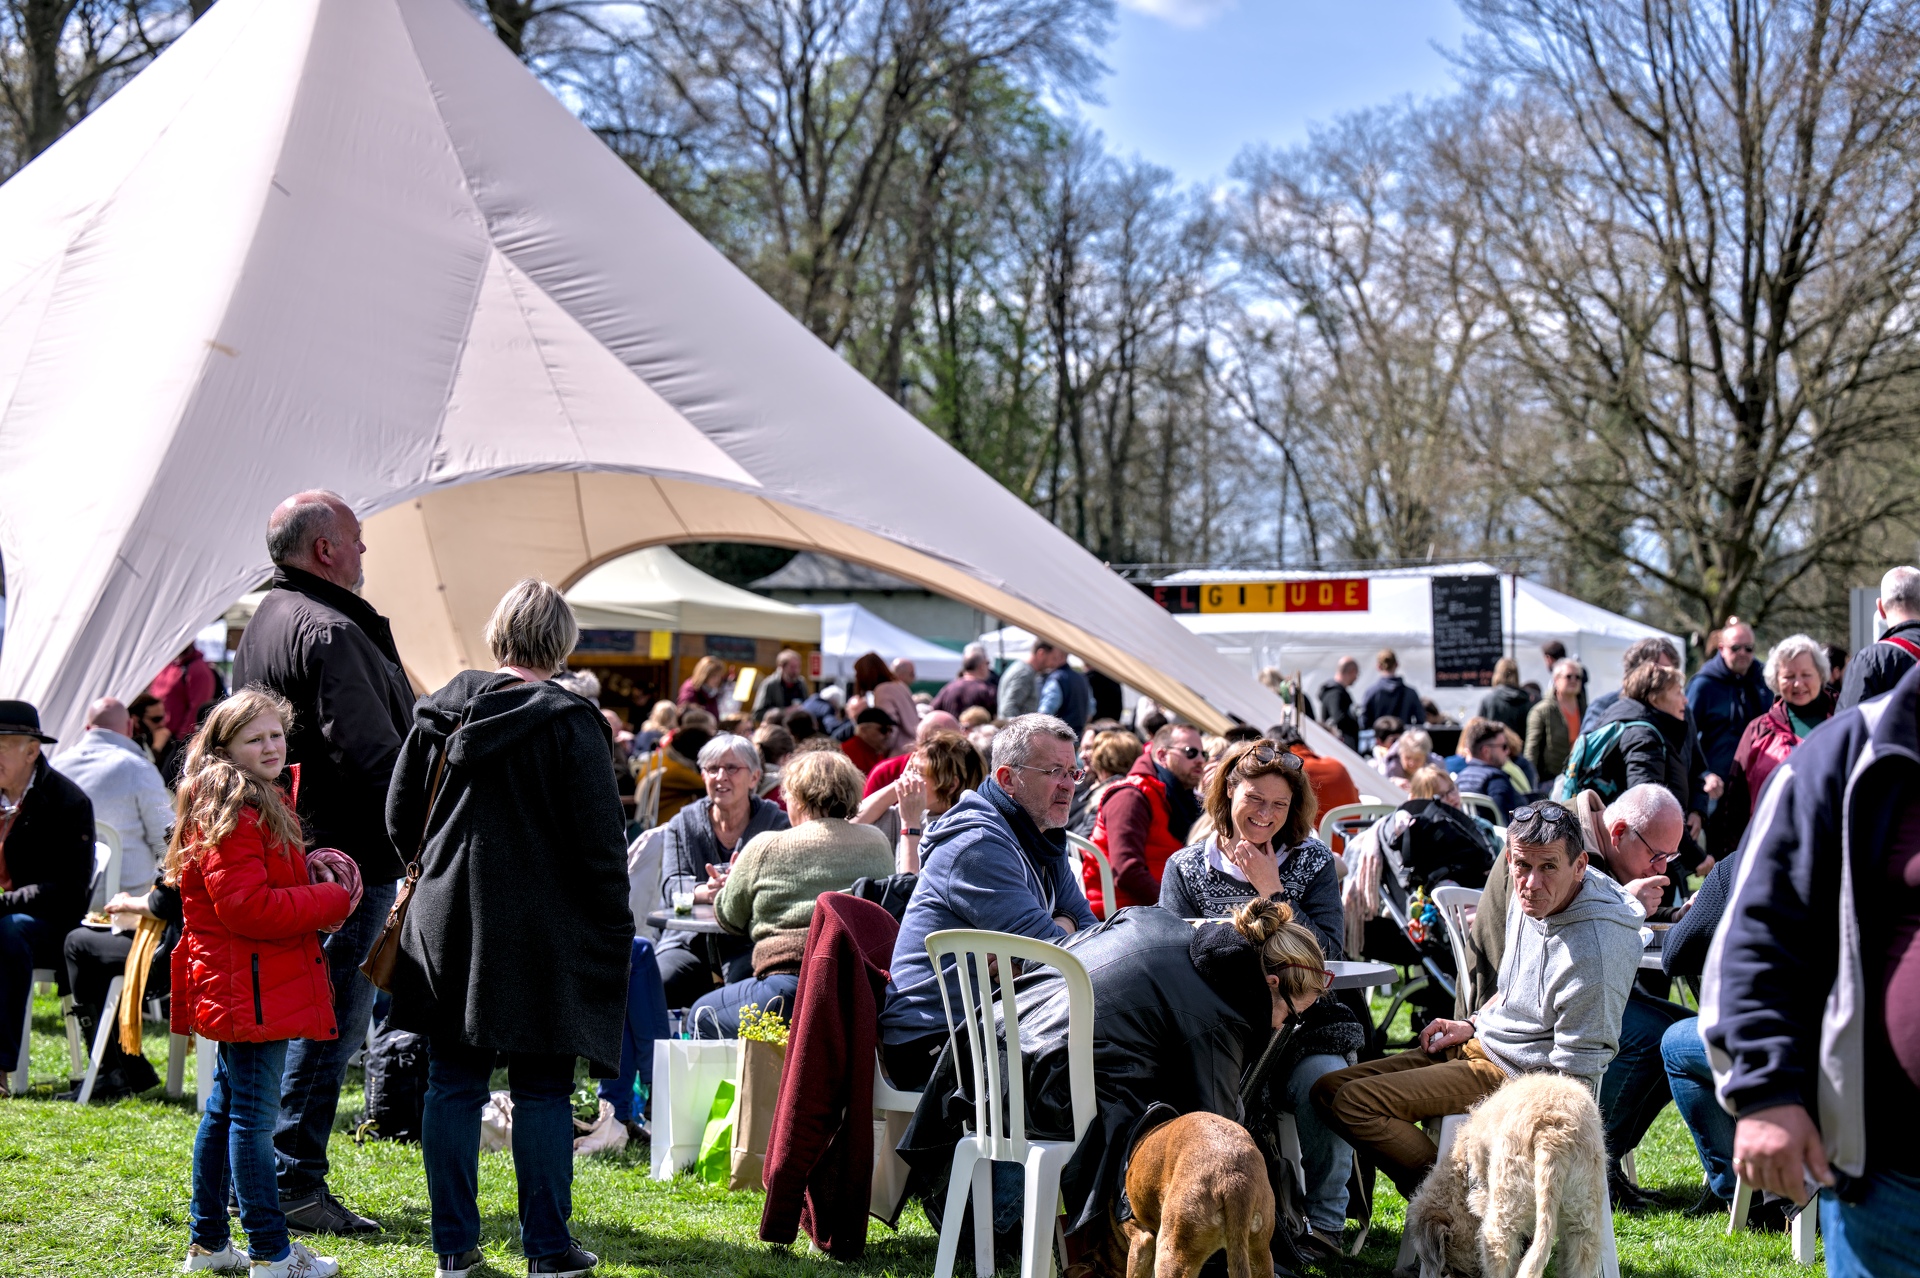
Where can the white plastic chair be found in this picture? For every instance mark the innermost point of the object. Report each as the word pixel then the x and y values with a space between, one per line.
pixel 999 1131
pixel 1348 819
pixel 1482 805
pixel 1450 1128
pixel 646 798
pixel 643 876
pixel 1453 902
pixel 892 1108
pixel 1080 849
pixel 44 978
pixel 106 863
pixel 1805 1228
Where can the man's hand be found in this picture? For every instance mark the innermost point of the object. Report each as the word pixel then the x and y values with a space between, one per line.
pixel 1648 891
pixel 1713 785
pixel 1776 1150
pixel 1694 822
pixel 1706 866
pixel 1439 1035
pixel 1065 923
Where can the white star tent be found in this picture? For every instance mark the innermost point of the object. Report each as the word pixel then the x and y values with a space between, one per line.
pixel 354 244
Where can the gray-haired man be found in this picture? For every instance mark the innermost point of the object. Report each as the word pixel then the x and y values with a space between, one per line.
pixel 995 860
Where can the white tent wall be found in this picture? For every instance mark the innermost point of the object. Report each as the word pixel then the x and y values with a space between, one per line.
pixel 655 589
pixel 354 244
pixel 1400 617
pixel 849 631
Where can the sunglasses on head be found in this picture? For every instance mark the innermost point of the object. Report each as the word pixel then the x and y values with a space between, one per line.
pixel 1546 814
pixel 1266 752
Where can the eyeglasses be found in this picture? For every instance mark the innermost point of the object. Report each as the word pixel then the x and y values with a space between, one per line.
pixel 1054 773
pixel 1739 647
pixel 1265 753
pixel 1326 974
pixel 721 769
pixel 1186 752
pixel 1658 857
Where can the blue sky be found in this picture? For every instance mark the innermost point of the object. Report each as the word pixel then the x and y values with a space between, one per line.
pixel 1196 80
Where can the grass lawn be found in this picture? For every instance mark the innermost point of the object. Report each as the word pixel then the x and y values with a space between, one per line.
pixel 104 1192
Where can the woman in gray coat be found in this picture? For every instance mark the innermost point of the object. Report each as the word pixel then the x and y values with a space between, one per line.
pixel 518 941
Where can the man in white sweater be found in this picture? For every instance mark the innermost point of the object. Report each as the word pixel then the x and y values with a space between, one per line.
pixel 126 789
pixel 1573 947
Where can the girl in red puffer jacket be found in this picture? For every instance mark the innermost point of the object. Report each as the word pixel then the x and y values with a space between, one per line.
pixel 248 972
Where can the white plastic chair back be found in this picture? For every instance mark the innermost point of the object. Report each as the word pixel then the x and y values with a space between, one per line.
pixel 646 797
pixel 643 876
pixel 1349 819
pixel 1482 805
pixel 1453 903
pixel 1000 1099
pixel 1080 849
pixel 106 863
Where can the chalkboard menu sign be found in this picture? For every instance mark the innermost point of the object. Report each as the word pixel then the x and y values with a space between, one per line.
pixel 1466 631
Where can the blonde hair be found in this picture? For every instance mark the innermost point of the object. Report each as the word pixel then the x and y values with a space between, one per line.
pixel 826 784
pixel 1430 783
pixel 214 789
pixel 532 626
pixel 1114 752
pixel 1288 950
pixel 665 716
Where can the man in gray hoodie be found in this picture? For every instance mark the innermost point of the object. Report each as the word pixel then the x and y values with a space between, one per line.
pixel 1573 947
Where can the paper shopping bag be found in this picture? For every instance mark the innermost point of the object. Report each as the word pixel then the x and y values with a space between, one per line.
pixel 759 1097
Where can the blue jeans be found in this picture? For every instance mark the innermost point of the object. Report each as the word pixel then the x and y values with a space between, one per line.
pixel 646 1021
pixel 776 990
pixel 1691 1079
pixel 235 1143
pixel 1878 1237
pixel 25 943
pixel 316 1067
pixel 1634 1089
pixel 458 1078
pixel 1327 1160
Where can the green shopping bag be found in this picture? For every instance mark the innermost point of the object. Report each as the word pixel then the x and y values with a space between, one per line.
pixel 716 1145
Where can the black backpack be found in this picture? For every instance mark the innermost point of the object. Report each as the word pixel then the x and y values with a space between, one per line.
pixel 890 893
pixel 396 1067
pixel 1439 844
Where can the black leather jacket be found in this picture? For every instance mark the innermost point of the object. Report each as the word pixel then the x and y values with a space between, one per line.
pixel 1160 1033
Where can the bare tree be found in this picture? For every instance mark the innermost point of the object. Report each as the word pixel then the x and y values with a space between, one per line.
pixel 61 58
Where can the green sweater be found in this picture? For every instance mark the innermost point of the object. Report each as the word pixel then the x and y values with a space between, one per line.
pixel 777 877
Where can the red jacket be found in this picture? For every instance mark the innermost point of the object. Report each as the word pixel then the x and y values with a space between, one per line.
pixel 1330 781
pixel 819 1168
pixel 1132 829
pixel 248 967
pixel 183 687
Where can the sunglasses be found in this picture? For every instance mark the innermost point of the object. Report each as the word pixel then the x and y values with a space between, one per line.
pixel 1266 753
pixel 1186 752
pixel 1547 815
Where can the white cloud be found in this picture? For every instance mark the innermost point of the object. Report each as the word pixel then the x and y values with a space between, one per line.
pixel 1181 13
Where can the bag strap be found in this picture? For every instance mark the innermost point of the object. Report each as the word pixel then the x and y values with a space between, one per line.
pixel 1903 643
pixel 433 796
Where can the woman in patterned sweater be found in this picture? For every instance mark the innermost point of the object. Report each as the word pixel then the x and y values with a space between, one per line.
pixel 1261 809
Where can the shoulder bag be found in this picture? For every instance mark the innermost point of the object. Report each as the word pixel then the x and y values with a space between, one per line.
pixel 378 969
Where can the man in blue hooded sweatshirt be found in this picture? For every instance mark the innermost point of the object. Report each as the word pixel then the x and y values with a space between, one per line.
pixel 996 860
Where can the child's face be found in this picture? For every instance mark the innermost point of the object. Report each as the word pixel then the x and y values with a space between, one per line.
pixel 261 747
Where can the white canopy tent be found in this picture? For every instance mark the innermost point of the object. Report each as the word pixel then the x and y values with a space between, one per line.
pixel 354 244
pixel 655 589
pixel 848 632
pixel 1400 616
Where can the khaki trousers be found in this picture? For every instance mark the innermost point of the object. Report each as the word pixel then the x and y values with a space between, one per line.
pixel 1375 1106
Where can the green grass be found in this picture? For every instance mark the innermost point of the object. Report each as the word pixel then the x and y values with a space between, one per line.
pixel 103 1191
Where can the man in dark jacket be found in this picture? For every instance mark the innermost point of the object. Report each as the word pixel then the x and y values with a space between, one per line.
pixel 315 642
pixel 1808 1005
pixel 1389 697
pixel 46 865
pixel 1727 695
pixel 1882 663
pixel 786 688
pixel 1506 702
pixel 1066 695
pixel 1486 744
pixel 1336 702
pixel 973 686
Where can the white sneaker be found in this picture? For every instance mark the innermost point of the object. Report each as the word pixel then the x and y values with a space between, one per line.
pixel 225 1259
pixel 297 1263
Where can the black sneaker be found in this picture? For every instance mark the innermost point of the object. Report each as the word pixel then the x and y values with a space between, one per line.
pixel 1710 1204
pixel 457 1266
pixel 1625 1196
pixel 573 1262
pixel 1318 1249
pixel 321 1213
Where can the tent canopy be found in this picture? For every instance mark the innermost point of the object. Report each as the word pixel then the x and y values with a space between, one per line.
pixel 354 244
pixel 1400 616
pixel 848 632
pixel 655 589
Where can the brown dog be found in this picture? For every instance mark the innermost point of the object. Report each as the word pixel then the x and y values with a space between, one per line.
pixel 1198 1185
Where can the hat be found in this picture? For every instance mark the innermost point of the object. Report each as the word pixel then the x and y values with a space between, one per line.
pixel 20 719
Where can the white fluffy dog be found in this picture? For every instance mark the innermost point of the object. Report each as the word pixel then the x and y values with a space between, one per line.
pixel 1530 1161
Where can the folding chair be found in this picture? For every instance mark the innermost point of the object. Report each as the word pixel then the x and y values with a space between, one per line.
pixel 999 1129
pixel 1349 819
pixel 1805 1228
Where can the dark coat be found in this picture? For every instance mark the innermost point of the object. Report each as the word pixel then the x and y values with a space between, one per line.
pixel 1495 783
pixel 519 938
pixel 1392 697
pixel 1878 666
pixel 49 850
pixel 1508 705
pixel 332 656
pixel 1336 711
pixel 1160 1033
pixel 1723 704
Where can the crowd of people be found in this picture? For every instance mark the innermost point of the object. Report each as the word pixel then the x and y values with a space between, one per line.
pixel 321 836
